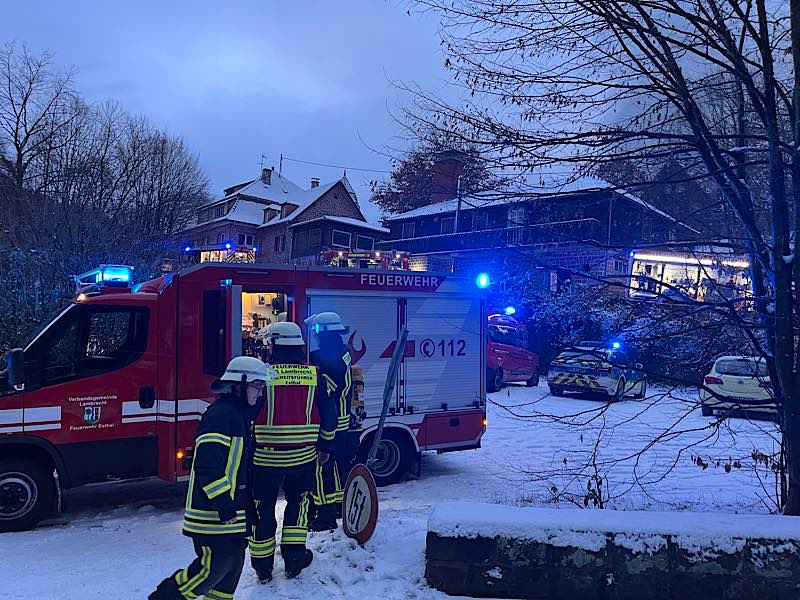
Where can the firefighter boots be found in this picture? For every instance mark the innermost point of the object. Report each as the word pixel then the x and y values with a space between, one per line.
pixel 295 564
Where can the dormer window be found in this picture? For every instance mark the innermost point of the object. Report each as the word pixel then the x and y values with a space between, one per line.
pixel 287 209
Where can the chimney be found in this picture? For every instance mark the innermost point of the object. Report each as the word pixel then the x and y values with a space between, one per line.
pixel 448 166
pixel 266 176
pixel 314 182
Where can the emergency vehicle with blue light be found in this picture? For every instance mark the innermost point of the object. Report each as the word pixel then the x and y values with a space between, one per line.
pixel 596 368
pixel 113 387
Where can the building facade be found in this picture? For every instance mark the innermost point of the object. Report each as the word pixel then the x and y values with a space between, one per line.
pixel 272 219
pixel 587 228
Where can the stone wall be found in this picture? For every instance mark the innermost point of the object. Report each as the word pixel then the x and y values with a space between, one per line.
pixel 581 561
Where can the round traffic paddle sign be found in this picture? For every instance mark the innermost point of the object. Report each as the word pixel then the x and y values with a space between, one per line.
pixel 360 504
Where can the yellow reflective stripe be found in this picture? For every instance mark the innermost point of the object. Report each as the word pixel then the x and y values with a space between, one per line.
pixel 217 595
pixel 311 427
pixel 270 405
pixel 202 575
pixel 310 403
pixel 209 515
pixel 240 527
pixel 302 518
pixel 269 440
pixel 234 461
pixel 215 488
pixel 213 437
pixel 261 549
pixel 287 458
pixel 319 492
pixel 346 358
pixel 287 453
pixel 327 435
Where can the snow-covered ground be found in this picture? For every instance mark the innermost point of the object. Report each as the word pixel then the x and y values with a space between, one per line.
pixel 119 540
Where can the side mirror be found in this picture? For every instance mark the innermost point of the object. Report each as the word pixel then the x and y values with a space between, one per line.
pixel 16 369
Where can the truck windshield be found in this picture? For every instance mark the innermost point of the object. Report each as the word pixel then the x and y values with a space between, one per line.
pixel 51 318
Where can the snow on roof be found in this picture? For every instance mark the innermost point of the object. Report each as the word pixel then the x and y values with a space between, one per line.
pixel 279 190
pixel 547 185
pixel 588 529
pixel 346 221
pixel 307 197
pixel 244 211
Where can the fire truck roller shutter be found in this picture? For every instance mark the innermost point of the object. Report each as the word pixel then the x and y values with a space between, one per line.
pixel 447 365
pixel 373 328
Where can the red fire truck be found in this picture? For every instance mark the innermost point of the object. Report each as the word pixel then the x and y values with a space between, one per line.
pixel 114 386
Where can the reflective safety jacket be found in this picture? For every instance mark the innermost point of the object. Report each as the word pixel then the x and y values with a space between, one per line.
pixel 297 419
pixel 218 480
pixel 335 370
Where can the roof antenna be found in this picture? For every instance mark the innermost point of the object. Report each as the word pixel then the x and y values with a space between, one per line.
pixel 280 165
pixel 262 161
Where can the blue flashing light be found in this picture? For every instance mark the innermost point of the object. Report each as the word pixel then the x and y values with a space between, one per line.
pixel 510 310
pixel 226 282
pixel 255 249
pixel 616 345
pixel 116 274
pixel 187 249
pixel 483 280
pixel 228 246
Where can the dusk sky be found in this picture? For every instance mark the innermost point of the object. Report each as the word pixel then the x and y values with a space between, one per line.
pixel 240 79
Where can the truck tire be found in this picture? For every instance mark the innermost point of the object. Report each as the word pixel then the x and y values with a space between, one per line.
pixel 394 455
pixel 533 381
pixel 707 411
pixel 27 494
pixel 494 380
pixel 556 391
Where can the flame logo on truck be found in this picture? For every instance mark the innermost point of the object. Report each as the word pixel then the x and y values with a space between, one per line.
pixel 356 355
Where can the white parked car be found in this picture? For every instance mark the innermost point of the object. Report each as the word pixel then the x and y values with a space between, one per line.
pixel 740 384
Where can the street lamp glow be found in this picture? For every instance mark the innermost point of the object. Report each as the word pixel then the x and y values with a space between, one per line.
pixel 482 280
pixel 510 310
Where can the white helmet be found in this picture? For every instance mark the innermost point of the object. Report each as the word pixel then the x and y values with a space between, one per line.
pixel 245 369
pixel 285 333
pixel 326 321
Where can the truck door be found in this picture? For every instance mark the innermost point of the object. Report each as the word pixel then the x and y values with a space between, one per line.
pixel 90 389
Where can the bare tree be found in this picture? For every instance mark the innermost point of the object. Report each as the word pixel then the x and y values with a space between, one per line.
pixel 595 81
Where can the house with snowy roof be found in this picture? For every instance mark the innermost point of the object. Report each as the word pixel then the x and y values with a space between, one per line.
pixel 272 219
pixel 563 227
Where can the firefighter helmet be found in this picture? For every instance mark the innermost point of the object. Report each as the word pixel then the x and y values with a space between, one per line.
pixel 327 321
pixel 246 368
pixel 285 333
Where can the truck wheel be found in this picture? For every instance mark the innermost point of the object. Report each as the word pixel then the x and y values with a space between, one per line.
pixel 27 494
pixel 534 380
pixel 707 411
pixel 556 391
pixel 392 459
pixel 494 380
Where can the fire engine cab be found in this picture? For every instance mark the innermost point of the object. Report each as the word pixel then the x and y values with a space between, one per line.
pixel 114 386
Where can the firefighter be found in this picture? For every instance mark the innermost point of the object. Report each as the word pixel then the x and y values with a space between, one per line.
pixel 294 432
pixel 218 495
pixel 330 354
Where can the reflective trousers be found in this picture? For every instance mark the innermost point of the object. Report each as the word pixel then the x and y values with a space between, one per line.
pixel 213 575
pixel 297 483
pixel 331 476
